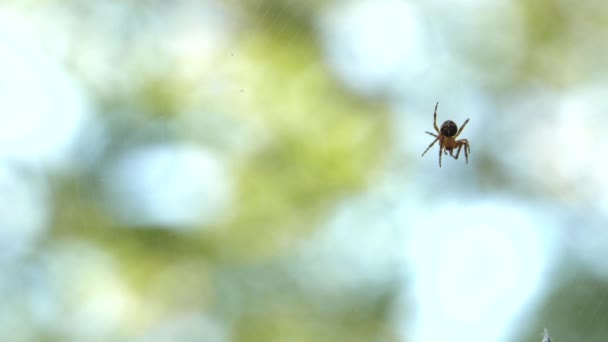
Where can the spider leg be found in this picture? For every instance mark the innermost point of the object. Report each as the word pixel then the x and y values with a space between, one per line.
pixel 440 148
pixel 463 143
pixel 435 118
pixel 431 145
pixel 429 133
pixel 461 128
pixel 458 152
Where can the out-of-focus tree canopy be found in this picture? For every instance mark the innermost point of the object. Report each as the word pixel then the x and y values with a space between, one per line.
pixel 251 171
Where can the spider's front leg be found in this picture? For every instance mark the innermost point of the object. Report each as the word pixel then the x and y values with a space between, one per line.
pixel 460 144
pixel 458 151
pixel 431 145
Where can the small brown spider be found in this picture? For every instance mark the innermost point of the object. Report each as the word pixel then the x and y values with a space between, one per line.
pixel 447 138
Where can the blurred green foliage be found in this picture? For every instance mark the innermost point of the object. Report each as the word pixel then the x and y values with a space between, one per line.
pixel 309 143
pixel 317 144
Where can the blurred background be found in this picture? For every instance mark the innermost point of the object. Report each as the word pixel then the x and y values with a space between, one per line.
pixel 251 170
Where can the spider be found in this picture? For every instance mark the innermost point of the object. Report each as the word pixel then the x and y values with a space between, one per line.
pixel 447 138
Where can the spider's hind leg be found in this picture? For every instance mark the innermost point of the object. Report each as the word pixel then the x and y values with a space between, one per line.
pixel 461 128
pixel 435 118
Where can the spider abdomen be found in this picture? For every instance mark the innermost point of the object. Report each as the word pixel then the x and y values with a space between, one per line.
pixel 449 128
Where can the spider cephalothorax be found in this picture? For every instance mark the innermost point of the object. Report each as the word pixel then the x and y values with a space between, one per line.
pixel 447 138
